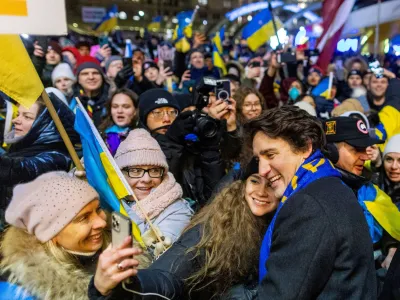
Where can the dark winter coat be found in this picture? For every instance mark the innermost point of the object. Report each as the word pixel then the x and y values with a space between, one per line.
pixel 391 287
pixel 267 90
pixel 40 151
pixel 44 70
pixel 321 248
pixel 140 87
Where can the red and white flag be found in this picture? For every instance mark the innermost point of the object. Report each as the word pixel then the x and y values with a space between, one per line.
pixel 334 15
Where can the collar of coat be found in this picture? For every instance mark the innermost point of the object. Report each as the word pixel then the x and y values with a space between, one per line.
pixel 28 265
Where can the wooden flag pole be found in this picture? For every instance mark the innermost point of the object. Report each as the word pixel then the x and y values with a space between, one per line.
pixel 61 130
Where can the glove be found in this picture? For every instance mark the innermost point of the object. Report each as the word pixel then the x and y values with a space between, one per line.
pixel 123 76
pixel 182 126
pixel 151 241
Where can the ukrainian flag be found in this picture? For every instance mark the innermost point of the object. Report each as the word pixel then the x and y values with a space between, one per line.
pixel 101 171
pixel 109 21
pixel 322 89
pixel 218 50
pixel 155 23
pixel 259 30
pixel 183 31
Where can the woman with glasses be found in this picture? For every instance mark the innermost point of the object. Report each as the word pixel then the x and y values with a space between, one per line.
pixel 249 103
pixel 145 168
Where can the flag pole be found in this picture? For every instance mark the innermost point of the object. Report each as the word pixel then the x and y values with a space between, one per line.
pixel 61 130
pixel 274 24
pixel 378 21
pixel 330 85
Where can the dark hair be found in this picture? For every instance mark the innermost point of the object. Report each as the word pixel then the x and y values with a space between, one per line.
pixel 290 123
pixel 108 121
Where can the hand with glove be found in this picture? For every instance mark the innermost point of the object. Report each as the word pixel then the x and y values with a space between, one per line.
pixel 123 76
pixel 182 126
pixel 151 241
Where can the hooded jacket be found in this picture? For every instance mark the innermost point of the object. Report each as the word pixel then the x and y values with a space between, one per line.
pixel 40 151
pixel 26 263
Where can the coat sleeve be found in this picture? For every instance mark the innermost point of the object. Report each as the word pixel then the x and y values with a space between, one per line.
pixel 267 90
pixel 212 169
pixel 39 63
pixel 393 93
pixel 301 260
pixel 173 152
pixel 20 169
pixel 231 145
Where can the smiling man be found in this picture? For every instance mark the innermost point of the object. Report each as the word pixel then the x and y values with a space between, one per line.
pixel 317 245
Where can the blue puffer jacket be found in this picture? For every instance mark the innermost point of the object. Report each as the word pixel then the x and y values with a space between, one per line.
pixel 40 151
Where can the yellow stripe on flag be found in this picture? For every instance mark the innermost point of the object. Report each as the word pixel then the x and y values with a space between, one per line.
pixel 18 77
pixel 261 36
pixel 14 8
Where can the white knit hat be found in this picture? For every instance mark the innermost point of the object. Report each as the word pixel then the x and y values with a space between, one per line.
pixel 62 70
pixel 307 107
pixel 393 145
pixel 140 148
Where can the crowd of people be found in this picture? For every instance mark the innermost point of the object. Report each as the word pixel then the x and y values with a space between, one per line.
pixel 275 191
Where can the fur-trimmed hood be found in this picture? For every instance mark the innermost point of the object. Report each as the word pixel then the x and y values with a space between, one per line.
pixel 29 265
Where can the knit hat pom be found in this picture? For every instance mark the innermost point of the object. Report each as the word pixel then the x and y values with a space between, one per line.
pixel 140 149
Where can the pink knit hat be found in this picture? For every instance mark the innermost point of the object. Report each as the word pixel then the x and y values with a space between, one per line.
pixel 140 148
pixel 47 204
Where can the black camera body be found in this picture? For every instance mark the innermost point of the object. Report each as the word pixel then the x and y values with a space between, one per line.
pixel 207 127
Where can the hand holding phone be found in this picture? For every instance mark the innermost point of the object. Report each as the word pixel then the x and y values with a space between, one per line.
pixel 121 228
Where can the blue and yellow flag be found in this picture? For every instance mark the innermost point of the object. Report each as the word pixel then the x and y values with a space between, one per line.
pixel 109 21
pixel 218 50
pixel 155 23
pixel 101 170
pixel 183 31
pixel 322 89
pixel 259 30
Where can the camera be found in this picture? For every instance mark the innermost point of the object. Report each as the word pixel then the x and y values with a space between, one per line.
pixel 205 126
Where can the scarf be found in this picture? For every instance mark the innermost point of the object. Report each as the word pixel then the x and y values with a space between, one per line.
pixel 379 211
pixel 315 167
pixel 160 198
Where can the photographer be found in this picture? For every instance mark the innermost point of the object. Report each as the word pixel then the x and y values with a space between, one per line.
pixel 131 75
pixel 190 141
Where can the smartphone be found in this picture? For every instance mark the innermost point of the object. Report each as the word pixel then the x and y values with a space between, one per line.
pixel 255 64
pixel 43 42
pixel 121 227
pixel 168 64
pixel 127 61
pixel 223 90
pixel 313 52
pixel 286 57
pixel 103 40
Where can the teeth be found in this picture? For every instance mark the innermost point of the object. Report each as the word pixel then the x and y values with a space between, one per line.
pixel 275 178
pixel 260 202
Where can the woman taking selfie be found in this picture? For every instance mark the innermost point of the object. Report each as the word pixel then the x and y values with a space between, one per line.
pixel 121 118
pixel 55 236
pixel 219 249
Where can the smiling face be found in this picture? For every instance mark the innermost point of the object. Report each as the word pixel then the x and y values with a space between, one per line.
pixel 378 86
pixel 251 107
pixel 391 164
pixel 85 232
pixel 278 163
pixel 197 60
pixel 351 159
pixel 90 79
pixel 24 120
pixel 122 110
pixel 142 186
pixel 259 196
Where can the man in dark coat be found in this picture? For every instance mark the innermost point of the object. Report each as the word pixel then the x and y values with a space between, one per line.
pixel 318 245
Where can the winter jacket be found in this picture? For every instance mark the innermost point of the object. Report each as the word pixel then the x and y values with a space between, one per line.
pixel 41 150
pixel 267 90
pixel 27 263
pixel 321 248
pixel 391 287
pixel 171 222
pixel 44 70
pixel 113 137
pixel 392 96
pixel 95 106
pixel 197 172
pixel 140 87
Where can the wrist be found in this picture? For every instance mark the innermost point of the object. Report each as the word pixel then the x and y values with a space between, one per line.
pixel 231 127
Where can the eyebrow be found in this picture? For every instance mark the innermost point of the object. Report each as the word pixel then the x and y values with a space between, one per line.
pixel 267 151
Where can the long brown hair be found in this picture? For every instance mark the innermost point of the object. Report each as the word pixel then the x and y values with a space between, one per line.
pixel 230 242
pixel 239 97
pixel 108 121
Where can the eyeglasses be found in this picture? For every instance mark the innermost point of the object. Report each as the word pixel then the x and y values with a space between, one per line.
pixel 139 172
pixel 158 115
pixel 251 105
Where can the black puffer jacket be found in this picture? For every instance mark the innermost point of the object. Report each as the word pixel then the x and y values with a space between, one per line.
pixel 41 150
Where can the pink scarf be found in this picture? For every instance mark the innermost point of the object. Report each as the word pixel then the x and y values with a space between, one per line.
pixel 160 198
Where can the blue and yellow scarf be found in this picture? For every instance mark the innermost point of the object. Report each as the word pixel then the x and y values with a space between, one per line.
pixel 314 168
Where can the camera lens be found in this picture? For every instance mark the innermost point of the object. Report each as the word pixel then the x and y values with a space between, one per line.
pixel 223 95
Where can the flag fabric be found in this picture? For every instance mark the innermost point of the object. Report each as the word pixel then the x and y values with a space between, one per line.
pixel 334 14
pixel 101 170
pixel 109 21
pixel 218 50
pixel 322 89
pixel 259 30
pixel 155 23
pixel 183 31
pixel 18 77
